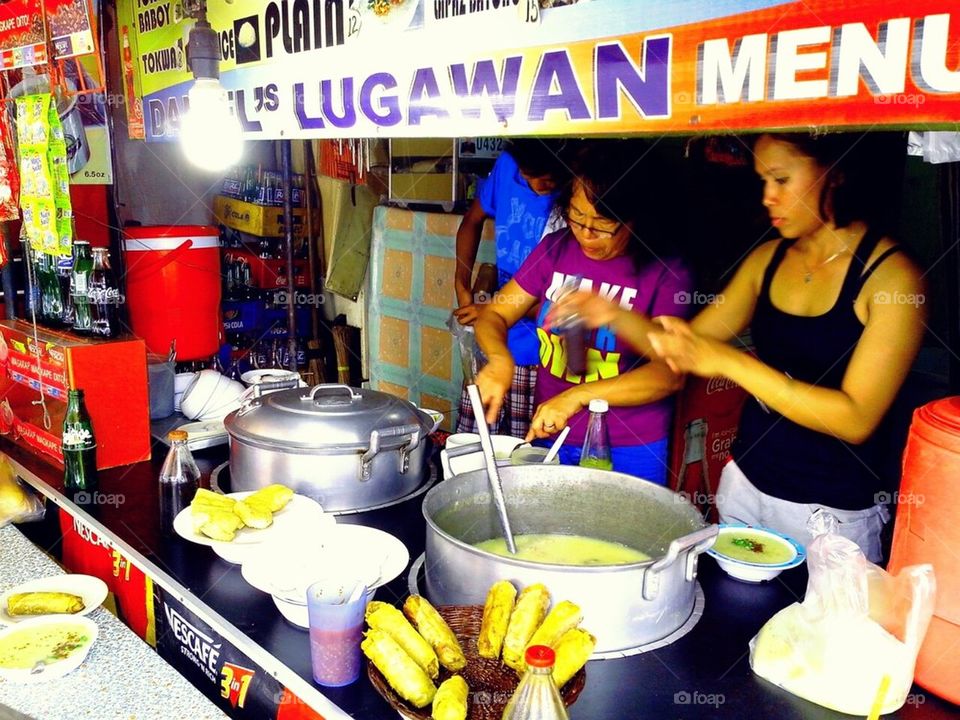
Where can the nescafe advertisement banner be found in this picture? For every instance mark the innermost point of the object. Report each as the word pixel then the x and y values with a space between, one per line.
pixel 237 685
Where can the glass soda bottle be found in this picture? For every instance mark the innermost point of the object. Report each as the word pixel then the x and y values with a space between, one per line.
pixel 50 297
pixel 64 269
pixel 79 286
pixel 596 443
pixel 179 480
pixel 536 697
pixel 79 447
pixel 103 294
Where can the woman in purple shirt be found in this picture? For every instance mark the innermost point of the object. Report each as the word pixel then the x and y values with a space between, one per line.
pixel 610 246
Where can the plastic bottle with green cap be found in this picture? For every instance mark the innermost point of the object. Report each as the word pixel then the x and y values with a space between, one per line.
pixel 596 442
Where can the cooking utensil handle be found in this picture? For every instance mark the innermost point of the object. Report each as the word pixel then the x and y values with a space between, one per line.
pixel 461 450
pixel 376 440
pixel 694 544
pixel 491 464
pixel 353 394
pixel 262 387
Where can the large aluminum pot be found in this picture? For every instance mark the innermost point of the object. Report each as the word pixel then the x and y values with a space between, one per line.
pixel 625 606
pixel 345 447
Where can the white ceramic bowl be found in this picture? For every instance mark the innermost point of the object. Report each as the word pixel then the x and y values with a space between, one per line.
pixel 210 396
pixel 295 611
pixel 757 572
pixel 503 445
pixel 349 553
pixel 58 668
pixel 181 381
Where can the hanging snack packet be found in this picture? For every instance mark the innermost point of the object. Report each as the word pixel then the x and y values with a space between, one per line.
pixel 37 200
pixel 57 159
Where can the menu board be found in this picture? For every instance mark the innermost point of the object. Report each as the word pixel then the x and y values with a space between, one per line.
pixel 459 68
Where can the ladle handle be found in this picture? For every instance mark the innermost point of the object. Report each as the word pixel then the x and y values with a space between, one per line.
pixel 491 464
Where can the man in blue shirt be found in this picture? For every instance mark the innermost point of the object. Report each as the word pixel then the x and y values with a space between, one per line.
pixel 518 195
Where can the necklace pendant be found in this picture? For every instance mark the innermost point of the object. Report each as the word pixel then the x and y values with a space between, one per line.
pixel 807 277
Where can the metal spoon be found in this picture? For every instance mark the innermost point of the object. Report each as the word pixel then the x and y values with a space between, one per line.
pixel 493 475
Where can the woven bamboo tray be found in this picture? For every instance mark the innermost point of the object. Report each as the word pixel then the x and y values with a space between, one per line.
pixel 491 682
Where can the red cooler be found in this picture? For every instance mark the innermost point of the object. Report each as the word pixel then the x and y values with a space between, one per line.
pixel 927 530
pixel 173 288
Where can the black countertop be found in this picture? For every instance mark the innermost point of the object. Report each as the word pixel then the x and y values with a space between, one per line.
pixel 704 674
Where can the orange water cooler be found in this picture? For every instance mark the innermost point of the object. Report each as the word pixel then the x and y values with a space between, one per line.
pixel 927 530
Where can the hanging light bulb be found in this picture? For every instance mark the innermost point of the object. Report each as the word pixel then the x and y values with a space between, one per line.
pixel 210 135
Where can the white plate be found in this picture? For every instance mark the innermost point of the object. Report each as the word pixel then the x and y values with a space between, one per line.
pixel 58 668
pixel 301 514
pixel 280 567
pixel 92 590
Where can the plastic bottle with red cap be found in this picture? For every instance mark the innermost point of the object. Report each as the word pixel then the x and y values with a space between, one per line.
pixel 537 697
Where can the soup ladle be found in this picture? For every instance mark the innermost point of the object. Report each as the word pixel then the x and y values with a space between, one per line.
pixel 490 460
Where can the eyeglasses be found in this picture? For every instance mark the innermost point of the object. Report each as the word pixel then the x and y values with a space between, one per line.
pixel 605 231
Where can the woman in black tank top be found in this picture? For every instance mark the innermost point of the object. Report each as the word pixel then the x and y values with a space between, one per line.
pixel 837 318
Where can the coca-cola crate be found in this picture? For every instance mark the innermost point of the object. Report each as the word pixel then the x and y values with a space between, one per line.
pixel 112 374
pixel 271 274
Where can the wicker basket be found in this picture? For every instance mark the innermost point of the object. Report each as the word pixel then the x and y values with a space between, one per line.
pixel 491 682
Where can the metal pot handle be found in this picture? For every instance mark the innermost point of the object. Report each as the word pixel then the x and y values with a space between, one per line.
pixel 351 393
pixel 260 388
pixel 692 544
pixel 377 437
pixel 250 398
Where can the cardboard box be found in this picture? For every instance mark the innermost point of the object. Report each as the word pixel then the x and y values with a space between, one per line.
pixel 423 187
pixel 421 147
pixel 112 374
pixel 260 220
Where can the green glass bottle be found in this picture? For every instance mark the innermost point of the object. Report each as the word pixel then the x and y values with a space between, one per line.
pixel 79 286
pixel 79 448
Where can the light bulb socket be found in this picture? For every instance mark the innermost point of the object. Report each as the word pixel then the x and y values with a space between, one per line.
pixel 203 50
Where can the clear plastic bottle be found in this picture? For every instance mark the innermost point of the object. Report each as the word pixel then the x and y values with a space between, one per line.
pixel 179 480
pixel 537 697
pixel 596 443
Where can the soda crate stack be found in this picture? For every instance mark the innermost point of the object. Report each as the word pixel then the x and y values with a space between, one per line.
pixel 255 290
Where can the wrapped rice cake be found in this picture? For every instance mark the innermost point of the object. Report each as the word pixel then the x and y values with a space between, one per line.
pixel 44 603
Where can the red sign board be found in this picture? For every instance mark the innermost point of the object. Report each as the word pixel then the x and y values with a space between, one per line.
pixel 22 37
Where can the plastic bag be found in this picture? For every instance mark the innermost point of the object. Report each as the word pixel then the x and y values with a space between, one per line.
pixel 17 503
pixel 471 357
pixel 851 645
pixel 936 147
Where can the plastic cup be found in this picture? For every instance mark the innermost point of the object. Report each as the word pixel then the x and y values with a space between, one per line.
pixel 336 629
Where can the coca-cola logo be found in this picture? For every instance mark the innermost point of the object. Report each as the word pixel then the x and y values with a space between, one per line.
pixel 719 384
pixel 105 296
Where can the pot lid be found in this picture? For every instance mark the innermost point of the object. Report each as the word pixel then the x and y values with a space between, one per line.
pixel 335 416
